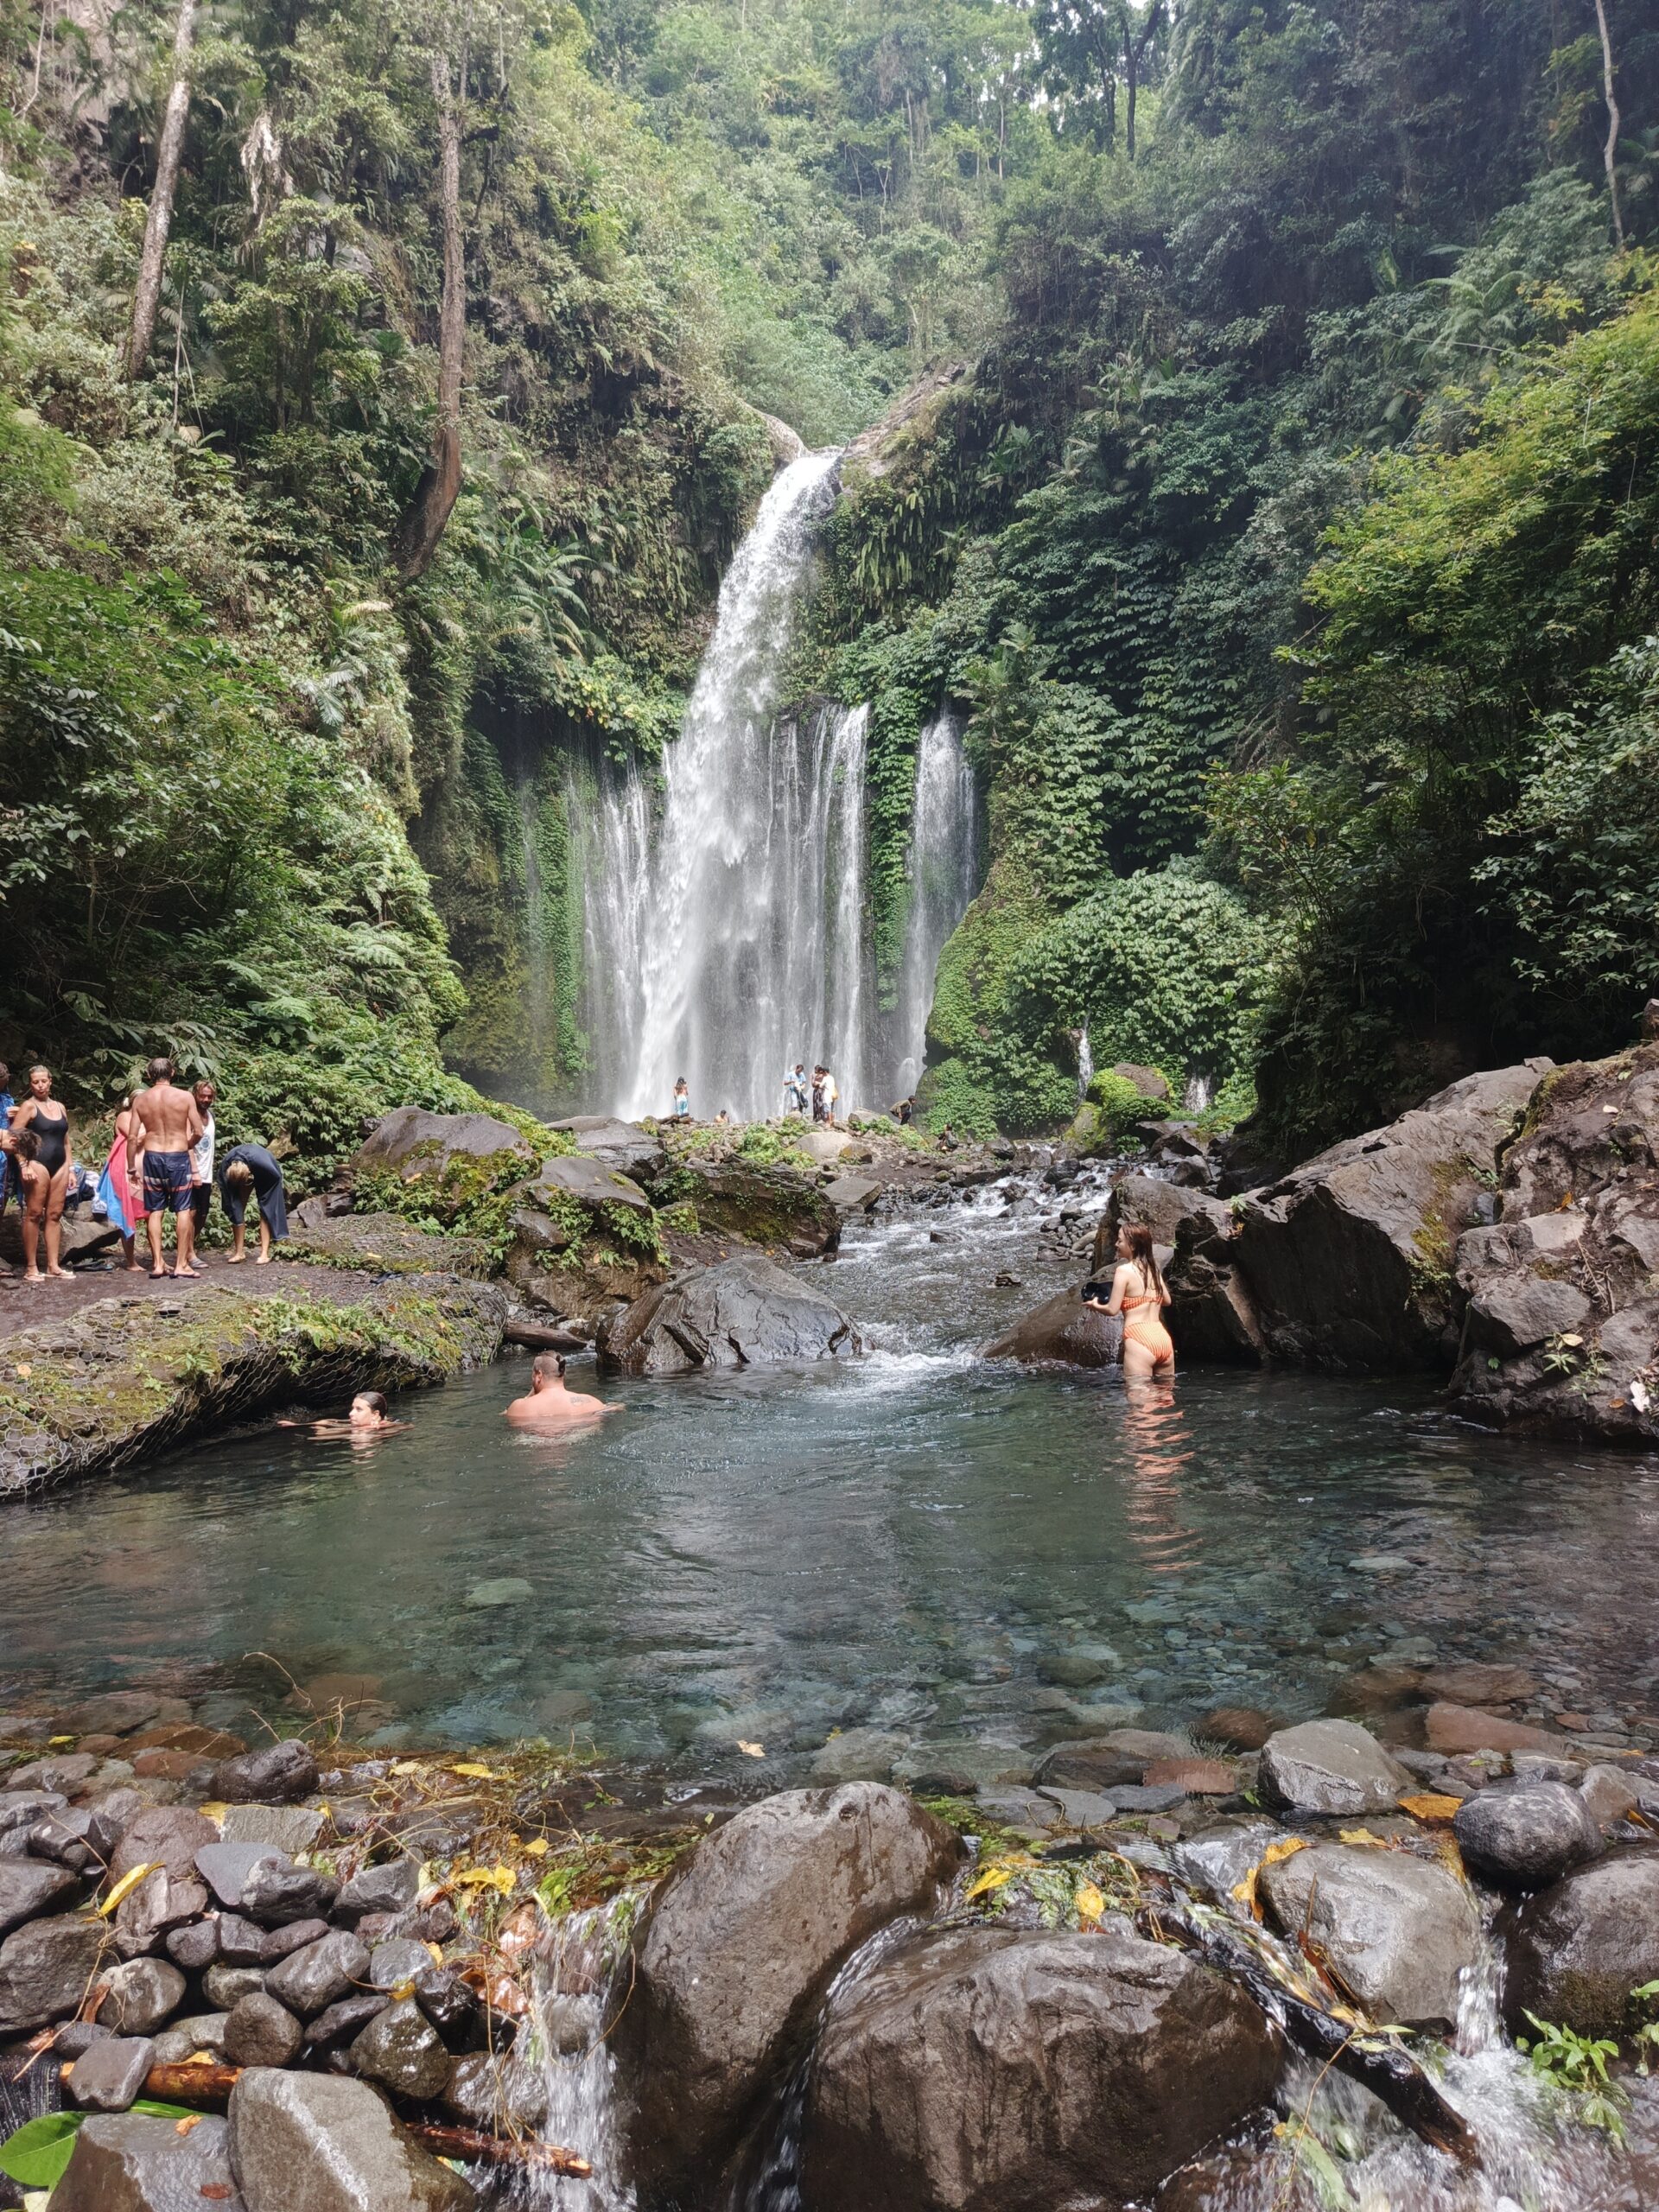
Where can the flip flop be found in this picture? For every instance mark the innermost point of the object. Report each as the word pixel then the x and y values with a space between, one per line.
pixel 158 1275
pixel 187 1274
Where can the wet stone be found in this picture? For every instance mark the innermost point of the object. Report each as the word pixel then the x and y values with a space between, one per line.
pixel 289 1829
pixel 202 2031
pixel 342 2023
pixel 45 1967
pixel 133 2162
pixel 142 1993
pixel 399 1961
pixel 401 2051
pixel 448 2003
pixel 281 1944
pixel 332 2146
pixel 77 1837
pixel 275 1774
pixel 274 1894
pixel 195 1947
pixel 1524 1835
pixel 109 2076
pixel 225 1986
pixel 163 1835
pixel 332 1968
pixel 24 1808
pixel 261 2032
pixel 390 1888
pixel 240 1942
pixel 226 1867
pixel 27 1889
pixel 1330 1767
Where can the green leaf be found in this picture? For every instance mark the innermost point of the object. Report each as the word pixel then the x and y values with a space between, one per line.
pixel 37 2152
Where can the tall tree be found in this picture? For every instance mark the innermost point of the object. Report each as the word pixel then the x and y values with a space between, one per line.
pixel 146 300
pixel 440 486
pixel 1137 37
pixel 1611 146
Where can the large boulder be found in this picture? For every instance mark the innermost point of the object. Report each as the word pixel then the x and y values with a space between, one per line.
pixel 1330 1767
pixel 578 1177
pixel 1577 1951
pixel 1061 1331
pixel 1525 1835
pixel 738 1947
pixel 316 2143
pixel 629 1146
pixel 1399 1931
pixel 1349 1258
pixel 774 1207
pixel 744 1311
pixel 1212 1313
pixel 1001 2071
pixel 1563 1318
pixel 137 2162
pixel 46 1968
pixel 1158 1206
pixel 461 1155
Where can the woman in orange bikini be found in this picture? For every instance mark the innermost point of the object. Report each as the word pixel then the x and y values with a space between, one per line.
pixel 1139 1294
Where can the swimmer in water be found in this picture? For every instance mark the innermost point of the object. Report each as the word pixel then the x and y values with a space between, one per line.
pixel 548 1404
pixel 370 1415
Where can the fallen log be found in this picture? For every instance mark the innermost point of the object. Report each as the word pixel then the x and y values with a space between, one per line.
pixel 534 1336
pixel 209 2087
pixel 1376 2062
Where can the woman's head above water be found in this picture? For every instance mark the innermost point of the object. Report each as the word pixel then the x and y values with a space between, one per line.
pixel 369 1410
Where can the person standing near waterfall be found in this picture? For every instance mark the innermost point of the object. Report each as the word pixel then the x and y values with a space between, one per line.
pixel 681 1101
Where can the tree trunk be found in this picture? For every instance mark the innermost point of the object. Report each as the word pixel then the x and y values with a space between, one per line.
pixel 147 300
pixel 440 484
pixel 1611 146
pixel 1134 53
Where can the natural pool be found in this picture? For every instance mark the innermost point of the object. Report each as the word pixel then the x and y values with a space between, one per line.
pixel 916 1542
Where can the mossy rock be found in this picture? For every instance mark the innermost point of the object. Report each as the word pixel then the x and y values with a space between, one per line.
pixel 773 1207
pixel 384 1243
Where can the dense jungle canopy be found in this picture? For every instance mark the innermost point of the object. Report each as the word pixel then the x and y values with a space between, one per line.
pixel 383 387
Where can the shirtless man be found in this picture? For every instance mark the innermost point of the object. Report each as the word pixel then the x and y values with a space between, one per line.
pixel 549 1404
pixel 166 1123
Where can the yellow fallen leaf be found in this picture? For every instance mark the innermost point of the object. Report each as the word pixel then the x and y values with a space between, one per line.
pixel 1363 1836
pixel 124 1888
pixel 992 1878
pixel 1430 1805
pixel 1568 1337
pixel 406 1766
pixel 217 1810
pixel 471 1768
pixel 1286 1848
pixel 59 1739
pixel 487 1877
pixel 751 1750
pixel 191 2119
pixel 538 1847
pixel 437 1954
pixel 1091 1903
pixel 1245 1893
pixel 202 2058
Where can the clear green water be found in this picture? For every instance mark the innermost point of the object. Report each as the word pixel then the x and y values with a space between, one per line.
pixel 918 1542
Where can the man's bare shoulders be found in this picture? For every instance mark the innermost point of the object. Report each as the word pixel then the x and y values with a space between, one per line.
pixel 573 1406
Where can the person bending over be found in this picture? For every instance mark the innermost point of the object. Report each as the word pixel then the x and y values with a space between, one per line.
pixel 548 1404
pixel 166 1123
pixel 1138 1293
pixel 40 1116
pixel 249 1170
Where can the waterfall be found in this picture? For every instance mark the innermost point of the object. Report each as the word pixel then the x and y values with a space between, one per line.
pixel 942 869
pixel 1085 1063
pixel 737 948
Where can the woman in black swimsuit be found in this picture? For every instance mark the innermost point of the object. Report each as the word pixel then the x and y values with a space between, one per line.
pixel 41 1113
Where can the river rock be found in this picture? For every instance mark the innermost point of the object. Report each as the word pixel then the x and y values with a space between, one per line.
pixel 276 1893
pixel 66 1771
pixel 1398 1931
pixel 144 1992
pixel 1061 1331
pixel 1235 1728
pixel 275 1774
pixel 163 1835
pixel 996 2070
pixel 1331 1766
pixel 1577 1950
pixel 226 1867
pixel 1213 1312
pixel 447 1149
pixel 1458 1728
pixel 1157 1204
pixel 1525 1835
pixel 110 2073
pixel 1217 1860
pixel 321 1974
pixel 137 2162
pixel 1563 1324
pixel 293 1935
pixel 1092 1763
pixel 261 2032
pixel 957 1766
pixel 401 2051
pixel 287 1829
pixel 741 1313
pixel 399 1960
pixel 738 1947
pixel 80 1837
pixel 392 1887
pixel 1473 1682
pixel 28 1889
pixel 25 1809
pixel 46 1966
pixel 225 1986
pixel 852 1194
pixel 628 1146
pixel 1609 1795
pixel 1348 1259
pixel 339 2024
pixel 858 1755
pixel 202 2031
pixel 775 1207
pixel 320 2143
pixel 484 2090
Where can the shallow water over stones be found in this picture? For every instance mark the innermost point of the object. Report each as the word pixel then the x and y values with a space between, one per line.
pixel 950 1554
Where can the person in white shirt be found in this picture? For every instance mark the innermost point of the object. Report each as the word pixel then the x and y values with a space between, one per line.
pixel 795 1087
pixel 831 1093
pixel 202 1160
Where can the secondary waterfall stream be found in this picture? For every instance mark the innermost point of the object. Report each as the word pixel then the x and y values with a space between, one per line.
pixel 726 928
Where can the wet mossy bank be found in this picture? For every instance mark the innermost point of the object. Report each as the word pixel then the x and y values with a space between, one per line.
pixel 134 1375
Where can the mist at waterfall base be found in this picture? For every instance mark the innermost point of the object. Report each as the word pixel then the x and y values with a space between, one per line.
pixel 726 927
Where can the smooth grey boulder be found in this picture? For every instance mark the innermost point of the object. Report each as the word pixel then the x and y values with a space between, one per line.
pixel 1090 1764
pixel 737 1949
pixel 160 1901
pixel 320 2143
pixel 418 1143
pixel 337 2024
pixel 293 1935
pixel 275 1774
pixel 998 2070
pixel 401 2051
pixel 1399 1931
pixel 137 2162
pixel 1576 1951
pixel 1348 1258
pixel 858 1755
pixel 399 1959
pixel 262 2033
pixel 628 1146
pixel 202 2031
pixel 852 1194
pixel 1609 1795
pixel 226 1867
pixel 1519 1310
pixel 1061 1333
pixel 110 2073
pixel 288 1828
pixel 745 1312
pixel 144 1992
pixel 46 1966
pixel 1217 1860
pixel 334 1967
pixel 1525 1835
pixel 27 1889
pixel 276 1893
pixel 1160 1205
pixel 1331 1766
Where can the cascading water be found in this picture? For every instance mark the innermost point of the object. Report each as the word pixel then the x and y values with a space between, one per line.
pixel 735 948
pixel 942 869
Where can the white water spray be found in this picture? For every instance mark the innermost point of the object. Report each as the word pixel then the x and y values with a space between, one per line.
pixel 942 869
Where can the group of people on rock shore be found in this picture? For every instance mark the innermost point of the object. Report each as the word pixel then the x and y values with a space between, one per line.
pixel 162 1160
